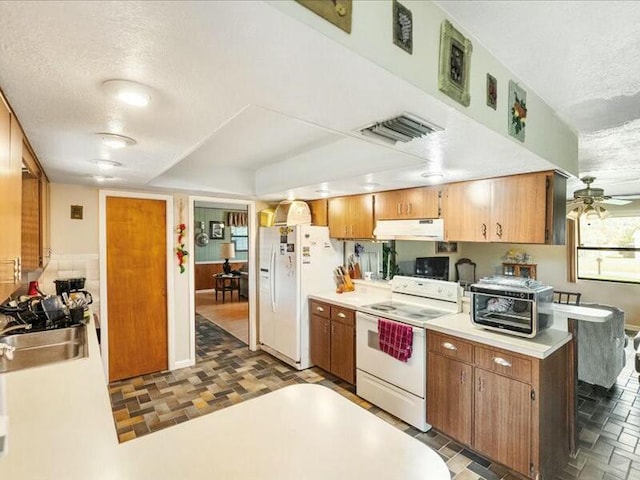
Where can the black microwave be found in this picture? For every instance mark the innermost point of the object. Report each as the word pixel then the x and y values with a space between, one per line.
pixel 513 310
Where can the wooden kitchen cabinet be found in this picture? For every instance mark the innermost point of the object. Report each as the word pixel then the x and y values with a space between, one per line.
pixel 410 203
pixel 319 212
pixel 527 208
pixel 509 407
pixel 332 339
pixel 10 202
pixel 351 217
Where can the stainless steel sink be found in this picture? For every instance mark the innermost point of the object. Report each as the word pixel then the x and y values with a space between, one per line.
pixel 42 348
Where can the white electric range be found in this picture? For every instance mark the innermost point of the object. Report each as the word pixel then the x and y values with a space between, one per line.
pixel 395 386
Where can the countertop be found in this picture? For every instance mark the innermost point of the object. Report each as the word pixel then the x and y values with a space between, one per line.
pixel 61 427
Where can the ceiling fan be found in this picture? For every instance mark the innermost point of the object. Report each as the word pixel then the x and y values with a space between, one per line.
pixel 588 201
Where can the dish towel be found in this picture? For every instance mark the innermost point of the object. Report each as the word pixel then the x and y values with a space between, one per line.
pixel 395 339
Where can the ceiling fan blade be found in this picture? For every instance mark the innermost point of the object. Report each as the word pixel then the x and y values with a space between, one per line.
pixel 615 201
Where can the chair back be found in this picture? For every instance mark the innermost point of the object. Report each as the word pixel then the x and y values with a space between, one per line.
pixel 465 271
pixel 568 298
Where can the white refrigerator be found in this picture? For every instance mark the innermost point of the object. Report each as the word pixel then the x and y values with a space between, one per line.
pixel 295 261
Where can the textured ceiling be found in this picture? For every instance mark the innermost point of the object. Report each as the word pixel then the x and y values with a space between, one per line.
pixel 582 58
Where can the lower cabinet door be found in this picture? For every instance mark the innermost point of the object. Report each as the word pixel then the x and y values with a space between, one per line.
pixel 343 351
pixel 450 396
pixel 320 342
pixel 502 426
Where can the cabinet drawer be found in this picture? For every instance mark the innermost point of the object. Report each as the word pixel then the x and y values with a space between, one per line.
pixel 504 363
pixel 343 315
pixel 320 309
pixel 451 347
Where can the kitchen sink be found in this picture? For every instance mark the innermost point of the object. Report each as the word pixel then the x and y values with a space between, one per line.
pixel 45 347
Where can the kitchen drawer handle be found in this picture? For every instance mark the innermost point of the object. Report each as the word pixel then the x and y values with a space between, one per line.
pixel 449 346
pixel 501 361
pixel 342 315
pixel 320 309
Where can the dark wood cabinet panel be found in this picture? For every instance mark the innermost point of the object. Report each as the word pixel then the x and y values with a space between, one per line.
pixel 320 341
pixel 502 424
pixel 450 397
pixel 343 351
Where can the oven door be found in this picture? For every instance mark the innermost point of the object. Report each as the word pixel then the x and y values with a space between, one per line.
pixel 504 313
pixel 409 376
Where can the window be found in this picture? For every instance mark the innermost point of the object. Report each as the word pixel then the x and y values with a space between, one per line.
pixel 240 238
pixel 609 249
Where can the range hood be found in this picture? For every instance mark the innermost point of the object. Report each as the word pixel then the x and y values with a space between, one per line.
pixel 425 230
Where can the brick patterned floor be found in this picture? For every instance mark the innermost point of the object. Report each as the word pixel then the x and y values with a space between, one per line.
pixel 227 373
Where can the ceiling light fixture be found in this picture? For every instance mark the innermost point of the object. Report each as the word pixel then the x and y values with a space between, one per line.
pixel 370 186
pixel 107 164
pixel 590 211
pixel 100 178
pixel 128 92
pixel 433 177
pixel 113 140
pixel 323 193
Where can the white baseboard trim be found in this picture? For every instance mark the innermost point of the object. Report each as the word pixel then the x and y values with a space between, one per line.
pixel 183 364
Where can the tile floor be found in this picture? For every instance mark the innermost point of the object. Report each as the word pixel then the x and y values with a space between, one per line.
pixel 228 373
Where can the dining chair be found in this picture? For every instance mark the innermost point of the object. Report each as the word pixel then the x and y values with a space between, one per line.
pixel 568 298
pixel 465 272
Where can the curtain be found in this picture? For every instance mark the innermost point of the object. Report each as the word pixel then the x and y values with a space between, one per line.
pixel 237 219
pixel 572 230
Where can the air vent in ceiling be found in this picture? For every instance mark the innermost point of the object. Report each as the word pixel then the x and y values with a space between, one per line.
pixel 403 128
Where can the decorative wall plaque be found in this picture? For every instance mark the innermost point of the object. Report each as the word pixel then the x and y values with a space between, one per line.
pixel 76 212
pixel 337 12
pixel 455 64
pixel 402 27
pixel 492 91
pixel 517 110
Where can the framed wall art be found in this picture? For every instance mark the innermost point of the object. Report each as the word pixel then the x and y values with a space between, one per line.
pixel 337 12
pixel 517 110
pixel 402 27
pixel 455 64
pixel 446 247
pixel 492 91
pixel 216 230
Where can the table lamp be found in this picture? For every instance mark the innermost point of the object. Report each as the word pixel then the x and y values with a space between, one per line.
pixel 227 251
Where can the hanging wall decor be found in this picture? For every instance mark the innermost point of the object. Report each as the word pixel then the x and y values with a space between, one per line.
pixel 455 64
pixel 337 12
pixel 517 110
pixel 402 27
pixel 181 230
pixel 492 91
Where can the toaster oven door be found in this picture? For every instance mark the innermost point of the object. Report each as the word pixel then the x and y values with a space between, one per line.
pixel 504 313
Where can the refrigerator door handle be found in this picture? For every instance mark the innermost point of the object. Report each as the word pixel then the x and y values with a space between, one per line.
pixel 273 278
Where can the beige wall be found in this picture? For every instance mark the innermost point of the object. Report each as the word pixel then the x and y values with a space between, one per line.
pixel 73 236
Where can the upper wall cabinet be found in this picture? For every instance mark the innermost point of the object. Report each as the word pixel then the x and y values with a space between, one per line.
pixel 10 202
pixel 318 212
pixel 351 217
pixel 528 208
pixel 411 203
pixel 35 213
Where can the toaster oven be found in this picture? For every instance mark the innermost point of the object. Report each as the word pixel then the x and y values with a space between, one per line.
pixel 512 305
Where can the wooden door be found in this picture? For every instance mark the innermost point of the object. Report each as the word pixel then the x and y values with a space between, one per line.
pixel 320 342
pixel 502 426
pixel 361 216
pixel 466 209
pixel 450 397
pixel 343 351
pixel 338 213
pixel 136 286
pixel 10 201
pixel 519 208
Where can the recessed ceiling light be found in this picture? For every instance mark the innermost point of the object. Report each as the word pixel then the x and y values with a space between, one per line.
pixel 323 193
pixel 113 140
pixel 132 93
pixel 433 177
pixel 370 186
pixel 291 196
pixel 100 178
pixel 107 164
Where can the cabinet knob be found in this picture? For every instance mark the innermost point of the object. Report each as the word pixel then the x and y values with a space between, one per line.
pixel 320 309
pixel 449 346
pixel 501 361
pixel 342 315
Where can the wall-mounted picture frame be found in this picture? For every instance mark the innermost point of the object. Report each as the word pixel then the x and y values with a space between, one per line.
pixel 455 64
pixel 337 12
pixel 216 230
pixel 492 91
pixel 402 27
pixel 446 247
pixel 517 110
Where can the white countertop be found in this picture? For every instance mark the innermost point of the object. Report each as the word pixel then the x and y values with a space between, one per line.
pixel 61 427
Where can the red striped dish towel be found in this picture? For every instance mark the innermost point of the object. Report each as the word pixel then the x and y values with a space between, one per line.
pixel 395 339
